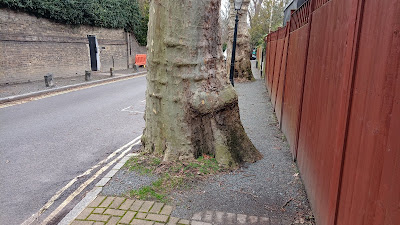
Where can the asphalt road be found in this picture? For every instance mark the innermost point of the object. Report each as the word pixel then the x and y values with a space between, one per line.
pixel 45 143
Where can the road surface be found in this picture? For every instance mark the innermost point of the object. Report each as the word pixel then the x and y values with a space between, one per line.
pixel 46 143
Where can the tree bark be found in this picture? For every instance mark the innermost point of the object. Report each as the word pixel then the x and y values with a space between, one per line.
pixel 242 59
pixel 191 108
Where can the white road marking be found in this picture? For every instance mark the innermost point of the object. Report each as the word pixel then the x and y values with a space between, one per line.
pixel 126 109
pixel 58 194
pixel 130 109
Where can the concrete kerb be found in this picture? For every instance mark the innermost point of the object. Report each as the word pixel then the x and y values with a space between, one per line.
pixel 93 193
pixel 35 94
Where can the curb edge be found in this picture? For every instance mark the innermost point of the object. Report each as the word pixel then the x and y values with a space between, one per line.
pixel 91 195
pixel 38 93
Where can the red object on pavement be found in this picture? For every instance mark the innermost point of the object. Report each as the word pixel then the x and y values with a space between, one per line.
pixel 140 59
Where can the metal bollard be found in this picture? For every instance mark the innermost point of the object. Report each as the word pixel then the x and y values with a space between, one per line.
pixel 87 75
pixel 111 72
pixel 48 80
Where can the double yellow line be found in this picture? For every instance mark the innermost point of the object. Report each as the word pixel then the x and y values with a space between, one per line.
pixel 126 148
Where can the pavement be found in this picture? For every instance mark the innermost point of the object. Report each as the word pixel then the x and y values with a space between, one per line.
pixel 15 91
pixel 269 191
pixel 118 210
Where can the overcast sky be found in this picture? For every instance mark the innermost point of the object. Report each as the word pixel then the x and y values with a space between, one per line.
pixel 223 2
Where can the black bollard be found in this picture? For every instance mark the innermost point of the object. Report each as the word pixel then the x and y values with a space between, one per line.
pixel 87 75
pixel 111 72
pixel 48 80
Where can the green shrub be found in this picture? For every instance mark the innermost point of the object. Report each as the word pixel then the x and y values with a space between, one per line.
pixel 224 46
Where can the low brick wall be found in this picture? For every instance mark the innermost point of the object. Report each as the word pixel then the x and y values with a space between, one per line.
pixel 30 47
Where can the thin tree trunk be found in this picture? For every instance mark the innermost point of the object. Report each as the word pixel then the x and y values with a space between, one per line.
pixel 270 18
pixel 242 59
pixel 257 7
pixel 191 108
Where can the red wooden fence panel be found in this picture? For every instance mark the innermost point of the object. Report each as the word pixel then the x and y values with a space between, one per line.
pixel 341 106
pixel 324 109
pixel 370 191
pixel 278 62
pixel 294 85
pixel 267 58
pixel 281 82
pixel 273 45
pixel 294 77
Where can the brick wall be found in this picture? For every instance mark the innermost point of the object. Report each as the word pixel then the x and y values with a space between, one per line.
pixel 30 47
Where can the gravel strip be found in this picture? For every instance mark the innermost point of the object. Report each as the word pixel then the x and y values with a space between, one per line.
pixel 270 187
pixel 124 181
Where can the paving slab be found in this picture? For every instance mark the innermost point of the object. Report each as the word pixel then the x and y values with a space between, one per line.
pixel 108 215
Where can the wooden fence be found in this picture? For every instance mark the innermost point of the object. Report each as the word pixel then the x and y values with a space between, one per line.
pixel 333 76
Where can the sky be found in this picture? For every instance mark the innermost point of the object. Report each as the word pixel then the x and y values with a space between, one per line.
pixel 223 2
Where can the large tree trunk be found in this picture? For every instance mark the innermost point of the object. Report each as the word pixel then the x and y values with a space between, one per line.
pixel 191 108
pixel 242 58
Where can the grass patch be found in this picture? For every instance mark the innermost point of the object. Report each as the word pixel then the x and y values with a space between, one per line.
pixel 147 192
pixel 133 164
pixel 172 176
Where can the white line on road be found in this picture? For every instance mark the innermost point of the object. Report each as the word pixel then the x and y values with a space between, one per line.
pixel 59 193
pixel 129 109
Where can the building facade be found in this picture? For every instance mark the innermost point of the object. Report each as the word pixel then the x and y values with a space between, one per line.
pixel 293 5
